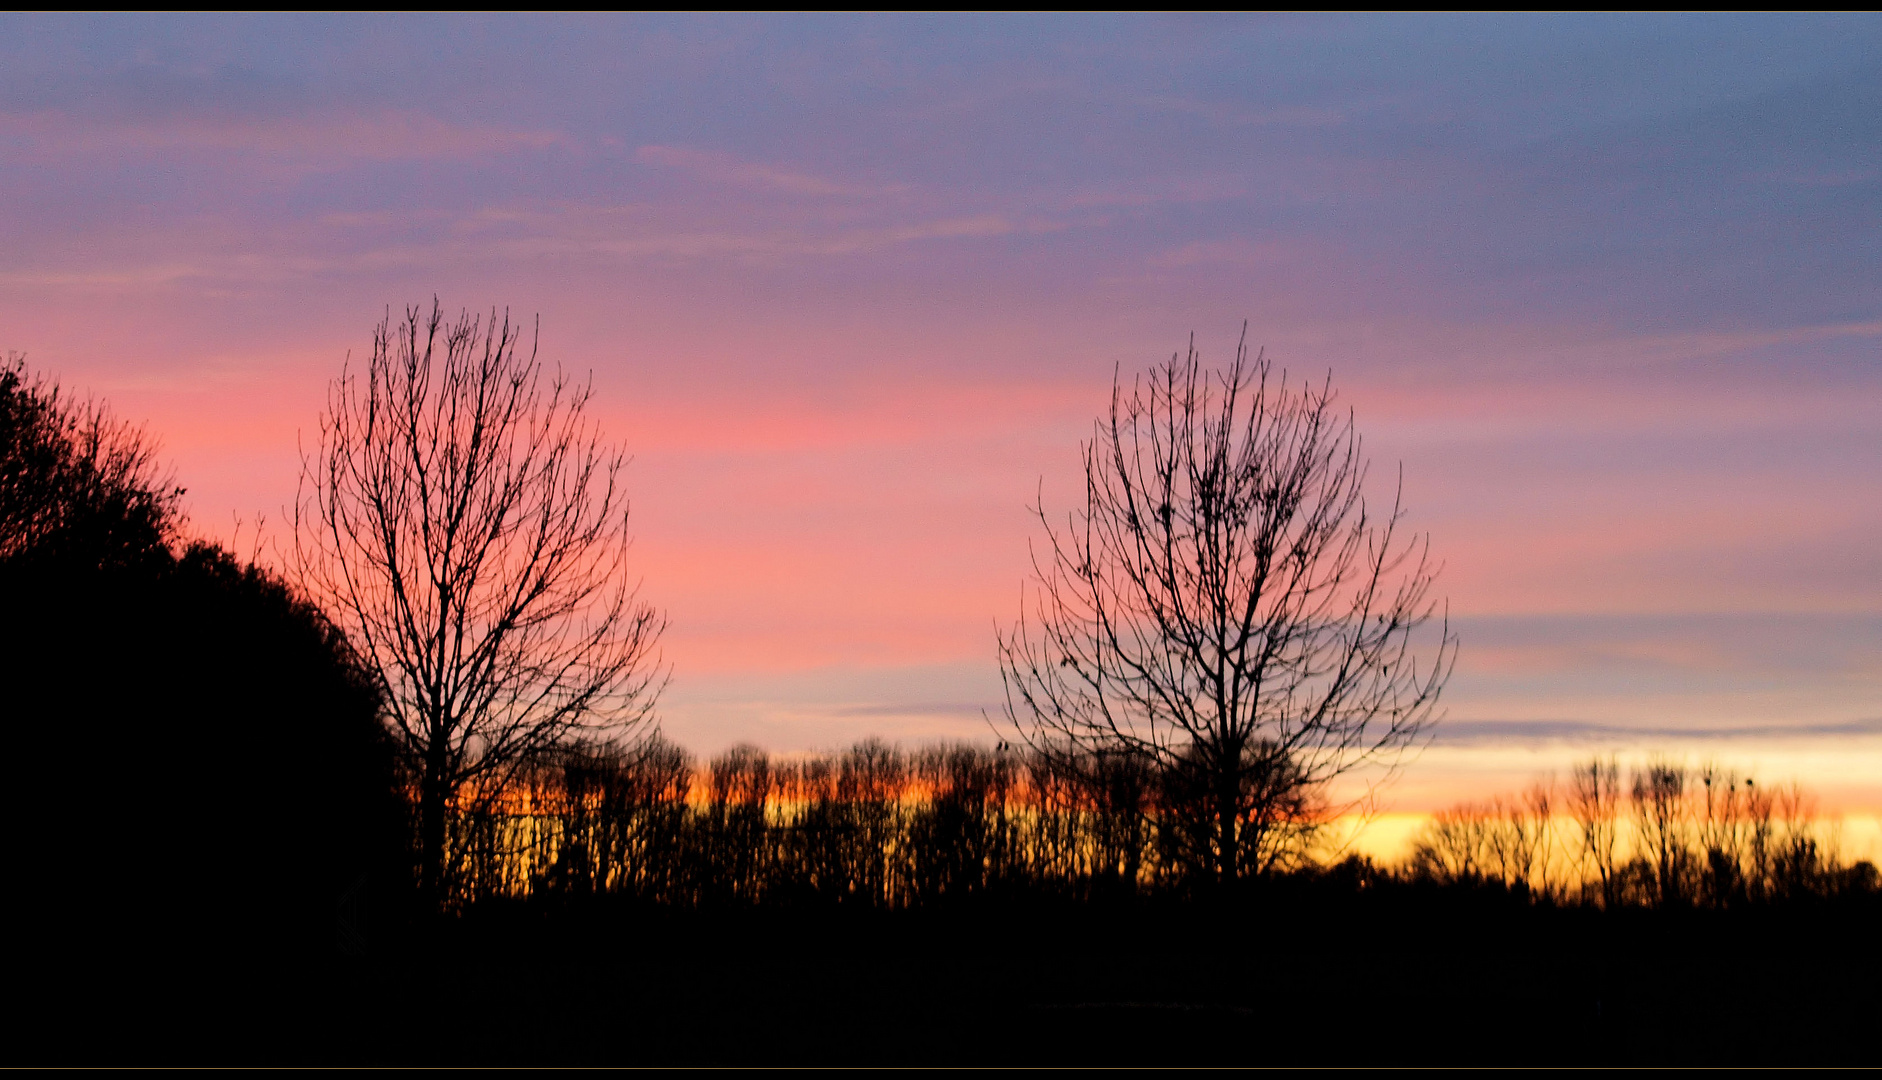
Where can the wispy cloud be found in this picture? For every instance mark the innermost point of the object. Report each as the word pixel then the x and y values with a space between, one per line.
pixel 634 241
pixel 1480 732
pixel 233 251
pixel 931 708
pixel 1230 251
pixel 1830 178
pixel 1661 348
pixel 1240 114
pixel 726 169
pixel 391 134
pixel 1741 643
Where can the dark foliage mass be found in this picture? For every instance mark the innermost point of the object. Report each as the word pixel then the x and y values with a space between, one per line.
pixel 1361 969
pixel 200 760
pixel 77 487
pixel 1358 970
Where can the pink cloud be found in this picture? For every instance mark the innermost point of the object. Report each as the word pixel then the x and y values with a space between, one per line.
pixel 383 135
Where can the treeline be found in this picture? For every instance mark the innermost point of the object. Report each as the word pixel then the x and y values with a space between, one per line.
pixel 873 825
pixel 1665 835
pixel 881 827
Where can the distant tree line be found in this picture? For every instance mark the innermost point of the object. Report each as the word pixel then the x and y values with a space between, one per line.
pixel 878 826
pixel 873 825
pixel 1668 836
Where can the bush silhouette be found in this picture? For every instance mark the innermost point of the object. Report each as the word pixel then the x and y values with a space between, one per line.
pixel 199 762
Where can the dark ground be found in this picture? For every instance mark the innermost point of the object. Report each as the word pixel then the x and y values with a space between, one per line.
pixel 1320 977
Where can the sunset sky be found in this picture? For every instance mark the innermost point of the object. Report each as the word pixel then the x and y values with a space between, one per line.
pixel 853 289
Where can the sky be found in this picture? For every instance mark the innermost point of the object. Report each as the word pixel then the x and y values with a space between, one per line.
pixel 852 290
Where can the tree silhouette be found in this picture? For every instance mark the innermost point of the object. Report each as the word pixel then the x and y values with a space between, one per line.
pixel 463 521
pixel 202 752
pixel 1705 837
pixel 1660 817
pixel 77 484
pixel 1227 606
pixel 1594 800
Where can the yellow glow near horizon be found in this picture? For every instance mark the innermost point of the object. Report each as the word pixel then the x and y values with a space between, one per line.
pixel 1388 838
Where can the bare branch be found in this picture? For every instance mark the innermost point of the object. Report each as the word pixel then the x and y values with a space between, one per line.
pixel 463 520
pixel 1226 606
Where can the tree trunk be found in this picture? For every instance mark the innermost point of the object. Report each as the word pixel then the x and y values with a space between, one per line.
pixel 432 809
pixel 1227 861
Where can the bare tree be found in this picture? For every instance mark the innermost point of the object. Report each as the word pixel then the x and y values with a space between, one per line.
pixel 1660 820
pixel 1594 797
pixel 1524 839
pixel 1725 828
pixel 464 523
pixel 1510 840
pixel 1228 606
pixel 1455 846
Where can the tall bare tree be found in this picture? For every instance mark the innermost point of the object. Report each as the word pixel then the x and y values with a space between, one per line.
pixel 463 521
pixel 1227 606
